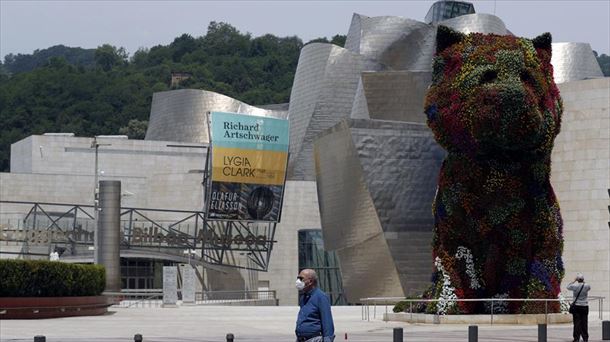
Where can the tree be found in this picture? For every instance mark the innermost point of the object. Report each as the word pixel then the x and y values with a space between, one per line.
pixel 108 56
pixel 183 45
pixel 75 56
pixel 135 129
pixel 224 39
pixel 338 40
pixel 604 63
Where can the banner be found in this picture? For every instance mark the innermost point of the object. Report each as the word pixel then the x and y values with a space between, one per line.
pixel 249 158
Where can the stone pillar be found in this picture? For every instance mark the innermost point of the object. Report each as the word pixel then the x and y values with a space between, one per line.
pixel 109 233
pixel 170 286
pixel 189 279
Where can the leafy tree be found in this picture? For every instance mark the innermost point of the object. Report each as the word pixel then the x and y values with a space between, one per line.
pixel 135 129
pixel 338 40
pixel 108 56
pixel 604 63
pixel 22 63
pixel 182 45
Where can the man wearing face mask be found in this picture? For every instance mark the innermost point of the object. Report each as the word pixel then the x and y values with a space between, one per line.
pixel 315 321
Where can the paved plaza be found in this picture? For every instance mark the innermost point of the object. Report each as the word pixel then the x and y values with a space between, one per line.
pixel 212 323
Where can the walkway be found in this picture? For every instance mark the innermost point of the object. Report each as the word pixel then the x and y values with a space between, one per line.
pixel 212 323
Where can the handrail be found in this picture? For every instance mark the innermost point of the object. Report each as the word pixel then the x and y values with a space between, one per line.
pixel 153 297
pixel 374 301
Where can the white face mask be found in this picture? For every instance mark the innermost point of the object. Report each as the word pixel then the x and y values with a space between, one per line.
pixel 300 285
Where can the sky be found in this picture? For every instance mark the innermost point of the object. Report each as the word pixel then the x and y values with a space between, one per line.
pixel 29 25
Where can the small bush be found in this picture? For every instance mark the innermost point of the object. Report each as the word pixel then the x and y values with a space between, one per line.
pixel 400 306
pixel 40 278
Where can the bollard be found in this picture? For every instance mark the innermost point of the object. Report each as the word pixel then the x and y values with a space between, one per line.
pixel 541 332
pixel 473 333
pixel 606 330
pixel 397 334
pixel 137 338
pixel 346 336
pixel 230 337
pixel 40 338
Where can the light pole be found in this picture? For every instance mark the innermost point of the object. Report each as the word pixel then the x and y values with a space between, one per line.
pixel 189 252
pixel 96 145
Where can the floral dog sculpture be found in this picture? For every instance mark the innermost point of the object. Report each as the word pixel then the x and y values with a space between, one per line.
pixel 493 105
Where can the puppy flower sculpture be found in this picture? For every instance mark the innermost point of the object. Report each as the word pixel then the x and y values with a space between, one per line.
pixel 493 105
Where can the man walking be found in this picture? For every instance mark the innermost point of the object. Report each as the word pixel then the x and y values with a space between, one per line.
pixel 315 321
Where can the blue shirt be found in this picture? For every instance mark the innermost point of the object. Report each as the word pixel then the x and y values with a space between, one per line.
pixel 314 315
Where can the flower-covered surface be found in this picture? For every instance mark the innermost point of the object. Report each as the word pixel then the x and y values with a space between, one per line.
pixel 493 105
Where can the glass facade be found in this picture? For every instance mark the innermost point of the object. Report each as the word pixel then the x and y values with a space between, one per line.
pixel 312 255
pixel 443 10
pixel 138 274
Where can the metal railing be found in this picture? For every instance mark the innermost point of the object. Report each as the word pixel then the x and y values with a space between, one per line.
pixel 144 298
pixel 385 301
pixel 151 298
pixel 239 244
pixel 221 297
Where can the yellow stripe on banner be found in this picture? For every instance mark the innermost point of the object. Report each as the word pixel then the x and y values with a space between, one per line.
pixel 237 165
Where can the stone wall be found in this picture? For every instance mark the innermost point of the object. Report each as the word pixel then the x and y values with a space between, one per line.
pixel 581 179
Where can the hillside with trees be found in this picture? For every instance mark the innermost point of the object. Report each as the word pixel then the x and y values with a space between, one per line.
pixel 105 91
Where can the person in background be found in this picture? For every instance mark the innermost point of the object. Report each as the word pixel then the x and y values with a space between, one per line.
pixel 581 306
pixel 315 320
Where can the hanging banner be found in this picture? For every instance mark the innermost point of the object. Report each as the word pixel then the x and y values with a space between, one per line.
pixel 249 155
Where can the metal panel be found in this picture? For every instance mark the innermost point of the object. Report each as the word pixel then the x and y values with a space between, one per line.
pixel 478 22
pixel 396 42
pixel 179 115
pixel 323 92
pixel 109 233
pixel 392 95
pixel 574 61
pixel 376 182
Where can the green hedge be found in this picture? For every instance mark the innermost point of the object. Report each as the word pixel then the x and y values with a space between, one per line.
pixel 40 278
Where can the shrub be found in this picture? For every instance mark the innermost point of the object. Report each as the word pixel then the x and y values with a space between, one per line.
pixel 400 306
pixel 40 278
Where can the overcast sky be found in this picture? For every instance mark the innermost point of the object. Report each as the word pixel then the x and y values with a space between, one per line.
pixel 29 25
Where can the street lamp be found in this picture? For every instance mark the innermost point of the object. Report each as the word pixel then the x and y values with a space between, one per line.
pixel 96 145
pixel 189 252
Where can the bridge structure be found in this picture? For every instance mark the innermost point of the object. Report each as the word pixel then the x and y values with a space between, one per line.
pixel 188 237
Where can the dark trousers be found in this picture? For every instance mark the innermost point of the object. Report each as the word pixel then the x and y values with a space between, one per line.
pixel 581 327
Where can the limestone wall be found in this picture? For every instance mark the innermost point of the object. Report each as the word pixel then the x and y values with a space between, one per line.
pixel 581 179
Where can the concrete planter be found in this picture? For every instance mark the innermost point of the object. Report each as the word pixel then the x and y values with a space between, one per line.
pixel 51 307
pixel 552 318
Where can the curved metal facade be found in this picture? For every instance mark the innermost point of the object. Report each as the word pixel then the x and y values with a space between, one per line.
pixel 180 115
pixel 392 95
pixel 573 62
pixel 323 92
pixel 376 181
pixel 396 42
pixel 478 22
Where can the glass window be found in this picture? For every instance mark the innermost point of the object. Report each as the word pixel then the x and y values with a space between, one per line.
pixel 312 255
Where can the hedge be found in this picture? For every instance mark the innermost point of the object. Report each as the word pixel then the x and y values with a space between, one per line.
pixel 40 278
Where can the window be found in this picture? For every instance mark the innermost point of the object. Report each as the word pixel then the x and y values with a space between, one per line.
pixel 312 255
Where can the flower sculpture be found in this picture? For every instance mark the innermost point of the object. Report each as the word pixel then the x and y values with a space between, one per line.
pixel 493 105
